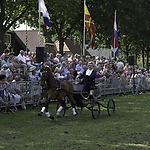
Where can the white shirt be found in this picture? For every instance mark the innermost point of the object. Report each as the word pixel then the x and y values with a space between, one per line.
pixel 21 58
pixel 88 72
pixel 120 65
pixel 56 59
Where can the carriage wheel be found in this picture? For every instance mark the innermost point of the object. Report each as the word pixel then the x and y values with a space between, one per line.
pixel 111 107
pixel 63 111
pixel 95 109
pixel 85 95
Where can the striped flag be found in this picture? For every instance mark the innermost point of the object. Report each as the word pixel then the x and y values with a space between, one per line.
pixel 90 26
pixel 45 14
pixel 87 18
pixel 115 44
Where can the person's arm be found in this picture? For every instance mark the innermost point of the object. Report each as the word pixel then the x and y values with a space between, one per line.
pixel 81 76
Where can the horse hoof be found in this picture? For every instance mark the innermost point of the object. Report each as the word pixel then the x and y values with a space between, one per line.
pixel 75 114
pixel 39 114
pixel 51 117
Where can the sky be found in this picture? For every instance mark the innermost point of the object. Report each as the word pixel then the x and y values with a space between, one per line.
pixel 23 27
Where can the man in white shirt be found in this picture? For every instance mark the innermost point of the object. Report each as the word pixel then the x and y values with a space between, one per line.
pixel 57 58
pixel 23 61
pixel 21 57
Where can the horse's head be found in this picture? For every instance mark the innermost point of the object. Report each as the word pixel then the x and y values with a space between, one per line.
pixel 44 75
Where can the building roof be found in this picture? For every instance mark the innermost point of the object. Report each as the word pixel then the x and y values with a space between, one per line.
pixel 30 38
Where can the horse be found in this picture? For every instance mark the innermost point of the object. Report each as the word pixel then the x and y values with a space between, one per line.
pixel 54 89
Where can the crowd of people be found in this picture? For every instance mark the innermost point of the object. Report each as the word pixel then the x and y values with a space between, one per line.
pixel 75 68
pixel 22 67
pixel 66 67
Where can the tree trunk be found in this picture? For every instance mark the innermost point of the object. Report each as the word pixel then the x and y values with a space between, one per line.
pixel 2 28
pixel 143 62
pixel 147 58
pixel 61 45
pixel 127 52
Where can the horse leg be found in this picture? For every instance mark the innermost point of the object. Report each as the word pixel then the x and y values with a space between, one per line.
pixel 62 105
pixel 45 108
pixel 47 112
pixel 72 105
pixel 42 110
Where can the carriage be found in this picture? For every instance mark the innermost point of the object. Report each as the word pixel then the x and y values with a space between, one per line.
pixel 94 102
pixel 68 97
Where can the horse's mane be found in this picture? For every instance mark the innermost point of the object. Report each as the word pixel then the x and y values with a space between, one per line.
pixel 48 69
pixel 51 81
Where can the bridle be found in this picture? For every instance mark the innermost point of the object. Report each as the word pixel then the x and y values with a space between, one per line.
pixel 45 76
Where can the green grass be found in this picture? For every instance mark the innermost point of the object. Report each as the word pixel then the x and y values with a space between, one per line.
pixel 128 129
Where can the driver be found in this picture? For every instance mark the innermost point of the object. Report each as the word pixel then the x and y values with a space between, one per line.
pixel 89 76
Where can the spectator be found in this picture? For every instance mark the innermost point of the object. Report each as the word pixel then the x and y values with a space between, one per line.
pixel 3 100
pixel 28 59
pixel 6 71
pixel 64 69
pixel 17 78
pixel 50 58
pixel 34 75
pixel 57 74
pixel 120 66
pixel 2 84
pixel 57 58
pixel 23 61
pixel 5 60
pixel 5 53
pixel 79 67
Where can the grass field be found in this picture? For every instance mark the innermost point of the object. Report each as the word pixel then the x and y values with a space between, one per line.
pixel 128 129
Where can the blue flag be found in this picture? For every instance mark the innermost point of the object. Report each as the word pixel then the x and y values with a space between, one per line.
pixel 115 43
pixel 45 14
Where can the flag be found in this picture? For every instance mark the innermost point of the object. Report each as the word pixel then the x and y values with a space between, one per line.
pixel 115 44
pixel 90 26
pixel 87 18
pixel 92 32
pixel 45 14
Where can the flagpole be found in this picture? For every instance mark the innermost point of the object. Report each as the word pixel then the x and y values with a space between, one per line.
pixel 83 49
pixel 39 25
pixel 26 35
pixel 114 26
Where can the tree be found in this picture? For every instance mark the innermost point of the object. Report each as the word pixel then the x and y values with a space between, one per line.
pixel 10 13
pixel 67 21
pixel 66 18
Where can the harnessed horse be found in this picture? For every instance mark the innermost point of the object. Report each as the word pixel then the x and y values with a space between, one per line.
pixel 54 89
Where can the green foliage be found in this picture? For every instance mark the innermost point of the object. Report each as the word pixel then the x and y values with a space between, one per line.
pixel 64 19
pixel 67 20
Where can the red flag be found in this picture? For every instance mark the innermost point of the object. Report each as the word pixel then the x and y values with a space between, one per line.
pixel 87 18
pixel 90 26
pixel 115 43
pixel 92 32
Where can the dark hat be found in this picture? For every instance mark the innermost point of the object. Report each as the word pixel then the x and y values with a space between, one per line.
pixel 2 76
